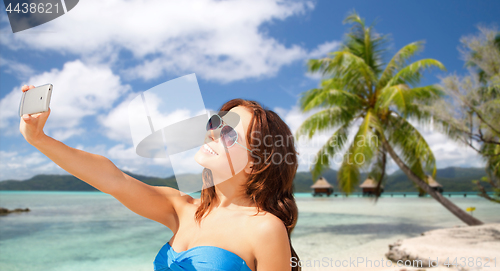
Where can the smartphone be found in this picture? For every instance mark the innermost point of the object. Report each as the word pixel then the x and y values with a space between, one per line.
pixel 35 100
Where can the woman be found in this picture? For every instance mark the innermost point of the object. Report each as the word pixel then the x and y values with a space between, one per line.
pixel 242 222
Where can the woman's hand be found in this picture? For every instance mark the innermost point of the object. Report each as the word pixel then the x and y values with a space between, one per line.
pixel 31 126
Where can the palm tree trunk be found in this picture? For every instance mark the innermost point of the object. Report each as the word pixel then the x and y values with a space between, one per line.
pixel 461 214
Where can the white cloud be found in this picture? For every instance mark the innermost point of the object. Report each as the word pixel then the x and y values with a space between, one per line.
pixel 65 134
pixel 126 155
pixel 218 40
pixel 6 154
pixel 314 76
pixel 117 126
pixel 20 70
pixel 116 122
pixel 323 49
pixel 80 90
pixel 19 166
pixel 22 166
pixel 449 153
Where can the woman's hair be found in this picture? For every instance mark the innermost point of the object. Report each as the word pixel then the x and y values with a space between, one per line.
pixel 270 184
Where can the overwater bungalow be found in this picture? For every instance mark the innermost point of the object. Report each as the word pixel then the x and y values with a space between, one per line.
pixel 369 187
pixel 434 185
pixel 322 186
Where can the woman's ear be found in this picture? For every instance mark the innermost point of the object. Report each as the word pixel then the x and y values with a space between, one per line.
pixel 249 167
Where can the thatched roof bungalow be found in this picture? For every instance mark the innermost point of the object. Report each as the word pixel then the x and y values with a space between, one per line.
pixel 369 187
pixel 322 186
pixel 434 185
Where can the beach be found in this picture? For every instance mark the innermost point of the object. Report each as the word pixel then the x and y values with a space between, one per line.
pixel 344 229
pixel 93 231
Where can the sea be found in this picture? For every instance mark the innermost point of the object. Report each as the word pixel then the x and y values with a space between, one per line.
pixel 77 231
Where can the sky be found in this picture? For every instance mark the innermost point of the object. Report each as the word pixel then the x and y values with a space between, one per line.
pixel 102 54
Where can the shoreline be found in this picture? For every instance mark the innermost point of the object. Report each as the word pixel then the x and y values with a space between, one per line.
pixel 467 242
pixel 113 238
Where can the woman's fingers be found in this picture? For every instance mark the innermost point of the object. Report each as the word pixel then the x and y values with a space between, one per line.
pixel 26 87
pixel 28 118
pixel 31 126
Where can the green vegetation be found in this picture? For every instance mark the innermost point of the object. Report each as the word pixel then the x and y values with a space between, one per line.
pixel 452 179
pixel 382 100
pixel 361 89
pixel 472 110
pixel 71 183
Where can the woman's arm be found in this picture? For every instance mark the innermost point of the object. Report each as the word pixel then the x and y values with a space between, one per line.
pixel 157 203
pixel 96 170
pixel 271 245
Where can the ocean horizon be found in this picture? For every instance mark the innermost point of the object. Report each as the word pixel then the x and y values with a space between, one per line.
pixel 94 231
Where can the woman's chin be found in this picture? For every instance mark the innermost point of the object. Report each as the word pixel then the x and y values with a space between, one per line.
pixel 204 159
pixel 219 171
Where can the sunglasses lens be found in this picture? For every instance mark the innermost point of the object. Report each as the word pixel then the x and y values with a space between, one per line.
pixel 213 123
pixel 229 135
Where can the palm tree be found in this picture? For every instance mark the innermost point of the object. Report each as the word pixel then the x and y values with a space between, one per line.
pixel 358 88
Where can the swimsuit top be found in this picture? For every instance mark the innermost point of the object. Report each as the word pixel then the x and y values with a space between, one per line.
pixel 200 258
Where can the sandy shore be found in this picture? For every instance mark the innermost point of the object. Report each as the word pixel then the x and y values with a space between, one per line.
pixel 470 246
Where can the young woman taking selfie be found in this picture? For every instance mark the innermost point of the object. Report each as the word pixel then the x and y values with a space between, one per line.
pixel 242 222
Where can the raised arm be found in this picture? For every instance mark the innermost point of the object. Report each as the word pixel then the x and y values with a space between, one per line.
pixel 161 204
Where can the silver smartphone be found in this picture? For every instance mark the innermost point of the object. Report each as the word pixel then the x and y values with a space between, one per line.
pixel 35 100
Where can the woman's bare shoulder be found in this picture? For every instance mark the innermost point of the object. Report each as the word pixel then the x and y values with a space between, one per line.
pixel 266 219
pixel 263 224
pixel 268 238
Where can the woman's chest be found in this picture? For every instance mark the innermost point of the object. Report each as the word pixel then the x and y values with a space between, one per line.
pixel 231 232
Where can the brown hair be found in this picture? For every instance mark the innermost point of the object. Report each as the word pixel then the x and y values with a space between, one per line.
pixel 270 185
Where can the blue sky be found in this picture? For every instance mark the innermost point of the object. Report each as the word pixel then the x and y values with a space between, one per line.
pixel 253 49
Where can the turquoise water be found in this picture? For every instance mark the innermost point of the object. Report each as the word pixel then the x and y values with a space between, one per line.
pixel 94 231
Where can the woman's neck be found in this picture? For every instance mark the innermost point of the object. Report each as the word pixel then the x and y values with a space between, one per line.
pixel 231 194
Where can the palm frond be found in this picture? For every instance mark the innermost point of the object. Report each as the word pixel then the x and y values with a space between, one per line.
pixel 394 95
pixel 360 152
pixel 412 73
pixel 366 140
pixel 329 95
pixel 377 171
pixel 399 60
pixel 353 17
pixel 332 147
pixel 323 120
pixel 412 145
pixel 343 64
pixel 348 176
pixel 408 100
pixel 365 43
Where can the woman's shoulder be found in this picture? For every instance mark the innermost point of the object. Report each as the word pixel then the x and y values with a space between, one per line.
pixel 268 222
pixel 264 225
pixel 269 239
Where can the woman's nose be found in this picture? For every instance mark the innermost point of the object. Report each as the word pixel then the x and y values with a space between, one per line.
pixel 211 136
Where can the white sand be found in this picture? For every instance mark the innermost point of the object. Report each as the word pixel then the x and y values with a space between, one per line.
pixel 342 228
pixel 469 242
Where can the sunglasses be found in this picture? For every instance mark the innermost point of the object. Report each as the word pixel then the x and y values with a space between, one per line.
pixel 228 135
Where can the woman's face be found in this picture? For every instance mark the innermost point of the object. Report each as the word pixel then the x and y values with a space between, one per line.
pixel 236 156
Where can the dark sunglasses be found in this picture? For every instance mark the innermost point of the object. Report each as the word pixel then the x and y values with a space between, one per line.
pixel 228 135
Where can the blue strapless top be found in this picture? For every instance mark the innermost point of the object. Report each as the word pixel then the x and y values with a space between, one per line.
pixel 200 258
